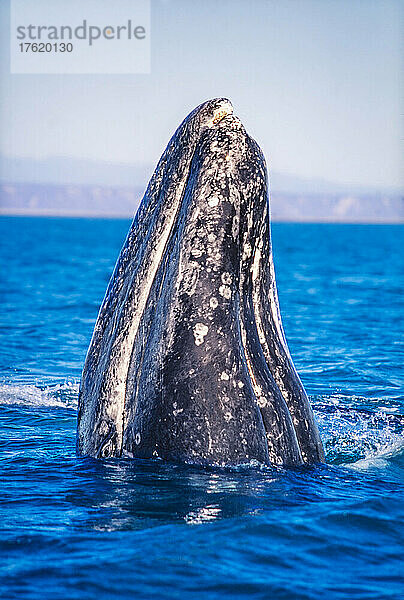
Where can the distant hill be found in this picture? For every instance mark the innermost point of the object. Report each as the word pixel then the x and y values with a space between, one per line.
pixel 65 170
pixel 122 201
pixel 68 200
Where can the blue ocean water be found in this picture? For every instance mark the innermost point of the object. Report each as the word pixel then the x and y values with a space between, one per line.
pixel 80 528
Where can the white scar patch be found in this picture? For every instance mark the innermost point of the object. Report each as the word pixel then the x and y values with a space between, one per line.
pixel 247 250
pixel 213 201
pixel 213 302
pixel 235 227
pixel 225 291
pixel 200 330
pixel 226 278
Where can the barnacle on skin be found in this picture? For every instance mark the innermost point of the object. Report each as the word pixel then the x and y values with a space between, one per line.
pixel 220 115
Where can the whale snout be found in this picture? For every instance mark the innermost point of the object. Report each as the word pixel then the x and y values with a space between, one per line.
pixel 210 113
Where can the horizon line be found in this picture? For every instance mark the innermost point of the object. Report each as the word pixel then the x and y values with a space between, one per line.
pixel 75 214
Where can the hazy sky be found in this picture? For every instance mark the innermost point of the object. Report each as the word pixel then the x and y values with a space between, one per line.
pixel 318 84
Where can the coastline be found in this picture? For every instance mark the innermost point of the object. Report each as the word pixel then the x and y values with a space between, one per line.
pixel 85 214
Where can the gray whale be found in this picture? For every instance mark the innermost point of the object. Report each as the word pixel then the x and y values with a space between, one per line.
pixel 188 360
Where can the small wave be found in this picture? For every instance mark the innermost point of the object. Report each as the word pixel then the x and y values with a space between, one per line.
pixel 354 434
pixel 381 460
pixel 62 395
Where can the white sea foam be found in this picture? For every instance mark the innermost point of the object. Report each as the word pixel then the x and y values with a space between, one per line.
pixel 60 395
pixel 358 437
pixel 382 459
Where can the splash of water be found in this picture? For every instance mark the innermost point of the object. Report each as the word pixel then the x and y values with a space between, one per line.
pixel 352 435
pixel 62 395
pixel 356 435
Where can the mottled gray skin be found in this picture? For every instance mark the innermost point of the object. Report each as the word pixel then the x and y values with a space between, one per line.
pixel 188 360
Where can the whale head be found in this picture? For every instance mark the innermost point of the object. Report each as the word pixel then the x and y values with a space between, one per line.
pixel 188 360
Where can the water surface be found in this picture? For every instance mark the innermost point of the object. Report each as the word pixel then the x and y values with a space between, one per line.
pixel 81 528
